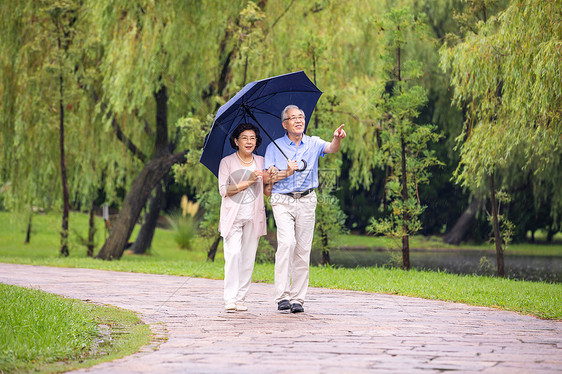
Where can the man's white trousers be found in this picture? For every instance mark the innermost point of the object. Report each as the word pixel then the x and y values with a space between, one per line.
pixel 295 230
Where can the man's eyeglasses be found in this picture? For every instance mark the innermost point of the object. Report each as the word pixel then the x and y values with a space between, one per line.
pixel 294 118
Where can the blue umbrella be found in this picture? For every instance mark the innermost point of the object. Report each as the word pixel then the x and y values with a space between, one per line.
pixel 261 104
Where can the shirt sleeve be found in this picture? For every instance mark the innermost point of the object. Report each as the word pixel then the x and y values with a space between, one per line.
pixel 223 177
pixel 321 146
pixel 269 158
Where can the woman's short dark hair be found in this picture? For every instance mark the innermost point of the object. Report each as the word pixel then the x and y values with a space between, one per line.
pixel 240 129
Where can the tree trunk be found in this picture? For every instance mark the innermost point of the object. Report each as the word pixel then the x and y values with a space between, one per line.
pixel 146 233
pixel 213 249
pixel 146 181
pixel 497 236
pixel 161 144
pixel 405 217
pixel 463 224
pixel 245 71
pixel 91 233
pixel 325 257
pixel 325 251
pixel 315 83
pixel 28 233
pixel 271 238
pixel 65 196
pixel 135 200
pixel 388 171
pixel 550 235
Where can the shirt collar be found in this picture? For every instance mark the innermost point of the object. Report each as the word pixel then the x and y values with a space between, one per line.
pixel 290 142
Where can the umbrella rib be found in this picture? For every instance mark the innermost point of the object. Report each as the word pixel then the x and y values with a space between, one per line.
pixel 266 112
pixel 257 95
pixel 247 110
pixel 250 102
pixel 270 96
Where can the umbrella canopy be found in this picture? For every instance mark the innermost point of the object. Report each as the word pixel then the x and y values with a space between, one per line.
pixel 261 104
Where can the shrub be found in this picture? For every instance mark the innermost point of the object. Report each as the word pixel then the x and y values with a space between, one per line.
pixel 185 229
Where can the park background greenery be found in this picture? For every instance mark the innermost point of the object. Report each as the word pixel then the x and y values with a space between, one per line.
pixel 108 97
pixel 109 102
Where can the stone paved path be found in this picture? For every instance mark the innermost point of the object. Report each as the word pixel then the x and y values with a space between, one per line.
pixel 340 332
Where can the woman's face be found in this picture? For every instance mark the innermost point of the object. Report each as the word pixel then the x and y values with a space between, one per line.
pixel 246 141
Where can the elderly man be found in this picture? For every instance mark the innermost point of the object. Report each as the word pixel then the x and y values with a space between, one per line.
pixel 294 203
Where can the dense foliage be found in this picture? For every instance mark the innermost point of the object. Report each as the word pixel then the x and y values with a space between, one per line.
pixel 506 74
pixel 140 81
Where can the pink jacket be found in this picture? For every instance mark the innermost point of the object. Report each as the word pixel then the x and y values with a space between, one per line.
pixel 230 205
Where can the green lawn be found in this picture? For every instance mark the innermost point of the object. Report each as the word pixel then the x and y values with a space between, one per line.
pixel 540 248
pixel 539 299
pixel 41 332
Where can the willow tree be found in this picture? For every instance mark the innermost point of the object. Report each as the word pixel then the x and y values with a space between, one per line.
pixel 26 118
pixel 507 74
pixel 341 55
pixel 63 17
pixel 39 92
pixel 50 120
pixel 157 58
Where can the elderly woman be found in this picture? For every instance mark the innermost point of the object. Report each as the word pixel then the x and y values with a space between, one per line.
pixel 242 216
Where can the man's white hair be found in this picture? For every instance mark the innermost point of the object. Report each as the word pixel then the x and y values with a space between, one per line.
pixel 287 108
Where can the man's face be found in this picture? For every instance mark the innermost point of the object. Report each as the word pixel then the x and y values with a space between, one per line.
pixel 294 122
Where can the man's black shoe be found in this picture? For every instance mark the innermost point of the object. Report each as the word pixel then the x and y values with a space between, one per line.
pixel 296 308
pixel 283 305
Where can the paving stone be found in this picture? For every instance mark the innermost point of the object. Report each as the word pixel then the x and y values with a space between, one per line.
pixel 340 331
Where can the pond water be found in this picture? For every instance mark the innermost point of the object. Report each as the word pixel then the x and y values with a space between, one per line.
pixel 532 268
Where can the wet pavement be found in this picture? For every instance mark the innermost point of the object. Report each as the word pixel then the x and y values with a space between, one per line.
pixel 340 331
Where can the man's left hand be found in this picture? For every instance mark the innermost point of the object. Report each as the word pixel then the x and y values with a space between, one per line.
pixel 340 132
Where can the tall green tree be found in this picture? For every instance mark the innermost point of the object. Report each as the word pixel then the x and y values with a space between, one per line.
pixel 24 111
pixel 506 72
pixel 51 89
pixel 152 67
pixel 340 54
pixel 404 142
pixel 63 16
pixel 39 46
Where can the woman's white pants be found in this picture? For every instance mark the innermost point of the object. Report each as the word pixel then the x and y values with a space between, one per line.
pixel 239 255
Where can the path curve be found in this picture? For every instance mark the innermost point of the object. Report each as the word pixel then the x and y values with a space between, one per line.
pixel 340 332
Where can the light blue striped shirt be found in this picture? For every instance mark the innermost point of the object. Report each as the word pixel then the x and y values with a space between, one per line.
pixel 309 149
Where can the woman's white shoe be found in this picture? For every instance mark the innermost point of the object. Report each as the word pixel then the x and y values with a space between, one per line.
pixel 241 307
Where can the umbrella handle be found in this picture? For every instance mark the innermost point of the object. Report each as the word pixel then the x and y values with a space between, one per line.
pixel 304 167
